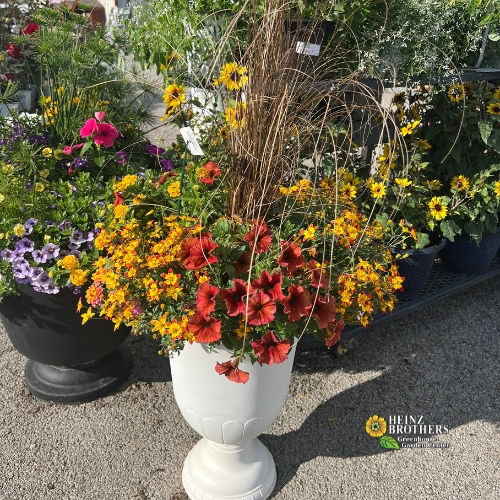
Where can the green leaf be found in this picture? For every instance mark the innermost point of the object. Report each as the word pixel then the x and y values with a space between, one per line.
pixel 449 229
pixel 491 222
pixel 389 442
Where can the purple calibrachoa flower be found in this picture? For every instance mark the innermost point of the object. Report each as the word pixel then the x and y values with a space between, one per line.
pixel 7 255
pixel 25 245
pixel 64 225
pixel 39 257
pixel 167 165
pixel 51 288
pixel 50 250
pixel 77 238
pixel 121 157
pixel 30 224
pixel 80 162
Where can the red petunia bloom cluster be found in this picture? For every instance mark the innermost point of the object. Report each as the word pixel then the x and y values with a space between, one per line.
pixel 257 302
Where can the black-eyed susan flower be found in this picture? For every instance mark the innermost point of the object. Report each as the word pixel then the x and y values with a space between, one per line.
pixel 460 183
pixel 437 208
pixel 456 93
pixel 232 76
pixel 493 108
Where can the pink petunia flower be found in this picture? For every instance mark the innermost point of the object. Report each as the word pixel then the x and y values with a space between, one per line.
pixel 89 128
pixel 106 135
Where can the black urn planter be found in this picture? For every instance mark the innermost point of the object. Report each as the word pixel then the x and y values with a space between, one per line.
pixel 416 268
pixel 465 256
pixel 68 362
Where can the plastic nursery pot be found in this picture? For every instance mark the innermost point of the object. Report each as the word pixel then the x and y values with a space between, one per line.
pixel 465 256
pixel 416 268
pixel 68 362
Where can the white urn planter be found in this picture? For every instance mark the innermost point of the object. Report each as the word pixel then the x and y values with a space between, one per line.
pixel 229 462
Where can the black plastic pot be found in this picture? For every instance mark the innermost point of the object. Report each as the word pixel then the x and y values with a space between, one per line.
pixel 416 268
pixel 68 362
pixel 465 256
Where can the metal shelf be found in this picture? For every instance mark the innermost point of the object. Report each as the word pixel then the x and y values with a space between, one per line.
pixel 440 284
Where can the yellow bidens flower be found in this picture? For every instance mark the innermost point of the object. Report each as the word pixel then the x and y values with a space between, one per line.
pixel 438 209
pixel 86 316
pixel 232 76
pixel 408 129
pixel 376 426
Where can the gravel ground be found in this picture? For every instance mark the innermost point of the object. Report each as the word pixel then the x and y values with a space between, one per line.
pixel 440 363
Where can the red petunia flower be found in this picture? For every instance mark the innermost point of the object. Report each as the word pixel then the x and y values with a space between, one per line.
pixel 291 256
pixel 271 350
pixel 31 28
pixel 105 135
pixel 231 372
pixel 259 237
pixel 334 333
pixel 323 309
pixel 205 298
pixel 205 329
pixel 318 279
pixel 13 51
pixel 297 303
pixel 261 309
pixel 236 297
pixel 270 285
pixel 242 265
pixel 196 252
pixel 209 172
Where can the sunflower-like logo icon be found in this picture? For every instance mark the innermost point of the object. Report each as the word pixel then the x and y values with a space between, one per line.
pixel 376 427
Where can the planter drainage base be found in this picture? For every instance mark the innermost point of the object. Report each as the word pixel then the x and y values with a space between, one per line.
pixel 79 384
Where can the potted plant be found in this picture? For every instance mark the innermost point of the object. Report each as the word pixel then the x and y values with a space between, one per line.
pixel 460 123
pixel 54 168
pixel 235 251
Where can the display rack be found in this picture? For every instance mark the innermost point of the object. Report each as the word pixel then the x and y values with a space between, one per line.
pixel 440 284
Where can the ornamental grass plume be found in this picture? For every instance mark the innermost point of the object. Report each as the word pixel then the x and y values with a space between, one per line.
pixel 252 238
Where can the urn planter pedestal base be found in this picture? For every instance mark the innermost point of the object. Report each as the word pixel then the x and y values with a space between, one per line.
pixel 247 472
pixel 78 384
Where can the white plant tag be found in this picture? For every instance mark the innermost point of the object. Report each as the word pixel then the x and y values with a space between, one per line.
pixel 308 49
pixel 191 141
